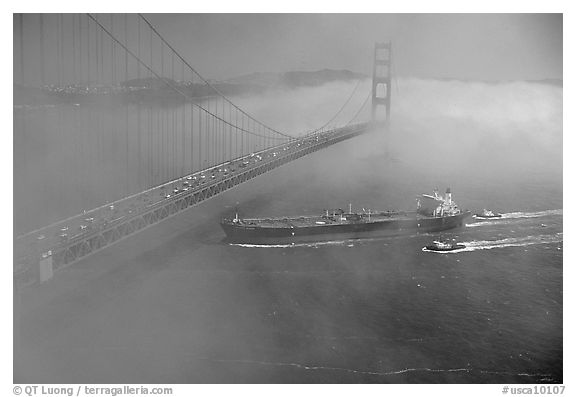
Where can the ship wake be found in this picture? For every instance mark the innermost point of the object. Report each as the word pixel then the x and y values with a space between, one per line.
pixel 295 245
pixel 341 243
pixel 537 214
pixel 510 217
pixel 503 243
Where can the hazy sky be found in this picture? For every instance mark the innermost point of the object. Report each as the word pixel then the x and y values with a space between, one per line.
pixel 462 46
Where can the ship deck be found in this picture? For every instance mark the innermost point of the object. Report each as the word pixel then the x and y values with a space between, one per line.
pixel 323 220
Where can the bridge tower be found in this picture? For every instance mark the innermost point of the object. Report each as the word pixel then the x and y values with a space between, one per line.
pixel 381 78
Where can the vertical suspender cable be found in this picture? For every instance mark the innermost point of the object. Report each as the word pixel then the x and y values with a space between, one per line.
pixel 45 167
pixel 126 107
pixel 88 51
pixel 42 71
pixel 192 134
pixel 158 170
pixel 138 115
pixel 73 16
pixel 210 136
pixel 213 134
pixel 217 146
pixel 183 167
pixel 99 166
pixel 174 141
pixel 21 34
pixel 162 132
pixel 20 132
pixel 152 133
pixel 90 114
pixel 217 136
pixel 229 134
pixel 62 137
pixel 200 164
pixel 148 147
pixel 81 63
pixel 215 127
pixel 75 166
pixel 112 52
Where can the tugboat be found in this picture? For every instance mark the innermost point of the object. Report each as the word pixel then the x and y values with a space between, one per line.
pixel 434 213
pixel 487 214
pixel 442 246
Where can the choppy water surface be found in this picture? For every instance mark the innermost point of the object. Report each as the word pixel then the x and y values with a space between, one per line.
pixel 490 312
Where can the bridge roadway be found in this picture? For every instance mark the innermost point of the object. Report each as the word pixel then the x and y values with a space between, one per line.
pixel 67 241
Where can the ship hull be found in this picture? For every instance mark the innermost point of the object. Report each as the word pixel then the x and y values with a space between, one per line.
pixel 239 233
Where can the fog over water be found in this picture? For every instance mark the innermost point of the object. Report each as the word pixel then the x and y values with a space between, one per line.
pixel 176 303
pixel 77 156
pixel 481 128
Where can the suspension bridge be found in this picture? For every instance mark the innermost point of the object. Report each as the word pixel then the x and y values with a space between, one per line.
pixel 116 126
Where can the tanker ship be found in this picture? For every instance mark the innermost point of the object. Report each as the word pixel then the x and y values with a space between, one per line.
pixel 433 213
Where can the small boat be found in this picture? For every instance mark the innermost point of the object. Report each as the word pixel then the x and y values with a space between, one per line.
pixel 444 246
pixel 487 214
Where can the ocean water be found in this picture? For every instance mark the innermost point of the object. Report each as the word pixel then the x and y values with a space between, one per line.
pixel 177 304
pixel 382 310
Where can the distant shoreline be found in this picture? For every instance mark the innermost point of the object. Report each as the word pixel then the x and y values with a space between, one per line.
pixel 154 90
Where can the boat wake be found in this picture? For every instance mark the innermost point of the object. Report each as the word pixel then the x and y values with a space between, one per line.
pixel 503 243
pixel 537 214
pixel 486 223
pixel 511 216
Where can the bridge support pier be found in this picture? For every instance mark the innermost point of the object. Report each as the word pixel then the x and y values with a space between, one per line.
pixel 45 271
pixel 381 87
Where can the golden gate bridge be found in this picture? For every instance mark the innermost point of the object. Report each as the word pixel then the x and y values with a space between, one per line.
pixel 160 138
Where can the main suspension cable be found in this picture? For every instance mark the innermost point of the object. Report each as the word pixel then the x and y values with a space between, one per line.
pixel 208 83
pixel 339 111
pixel 361 108
pixel 165 81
